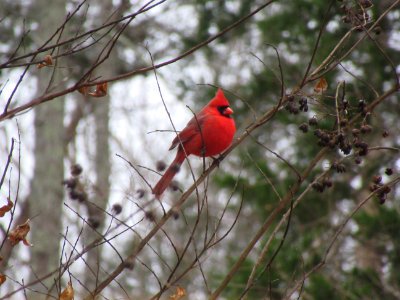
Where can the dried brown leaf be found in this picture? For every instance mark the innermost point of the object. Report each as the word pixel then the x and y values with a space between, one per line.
pixel 83 90
pixel 19 234
pixel 2 278
pixel 6 208
pixel 100 91
pixel 321 86
pixel 67 293
pixel 179 293
pixel 47 61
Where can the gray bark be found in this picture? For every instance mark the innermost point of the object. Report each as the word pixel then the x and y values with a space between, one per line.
pixel 102 169
pixel 46 198
pixel 102 164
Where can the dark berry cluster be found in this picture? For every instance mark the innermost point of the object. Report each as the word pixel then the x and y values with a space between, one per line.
pixel 342 138
pixel 338 167
pixel 313 121
pixel 389 171
pixel 293 107
pixel 333 139
pixel 360 146
pixel 117 208
pixel 378 187
pixel 140 193
pixel 304 127
pixel 161 166
pixel 174 185
pixel 357 15
pixel 303 104
pixel 385 134
pixel 76 190
pixel 322 184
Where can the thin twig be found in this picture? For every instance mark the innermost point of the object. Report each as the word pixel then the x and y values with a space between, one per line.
pixel 337 234
pixel 45 98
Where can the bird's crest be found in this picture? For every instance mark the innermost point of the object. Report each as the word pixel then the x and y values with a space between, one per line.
pixel 219 99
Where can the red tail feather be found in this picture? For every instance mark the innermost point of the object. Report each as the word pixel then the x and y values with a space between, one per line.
pixel 166 179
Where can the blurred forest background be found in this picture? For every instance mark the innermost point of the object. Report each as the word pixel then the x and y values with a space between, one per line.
pixel 304 205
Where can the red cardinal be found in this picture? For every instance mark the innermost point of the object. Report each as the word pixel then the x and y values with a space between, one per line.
pixel 209 133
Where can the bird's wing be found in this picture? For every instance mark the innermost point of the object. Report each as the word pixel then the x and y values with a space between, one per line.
pixel 192 129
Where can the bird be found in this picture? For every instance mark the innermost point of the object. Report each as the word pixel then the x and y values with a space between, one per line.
pixel 207 134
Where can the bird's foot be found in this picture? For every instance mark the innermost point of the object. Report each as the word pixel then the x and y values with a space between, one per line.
pixel 217 160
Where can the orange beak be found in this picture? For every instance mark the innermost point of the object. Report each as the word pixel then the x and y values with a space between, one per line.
pixel 228 111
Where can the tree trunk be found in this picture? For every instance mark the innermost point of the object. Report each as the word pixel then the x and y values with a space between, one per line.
pixel 102 165
pixel 46 198
pixel 102 168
